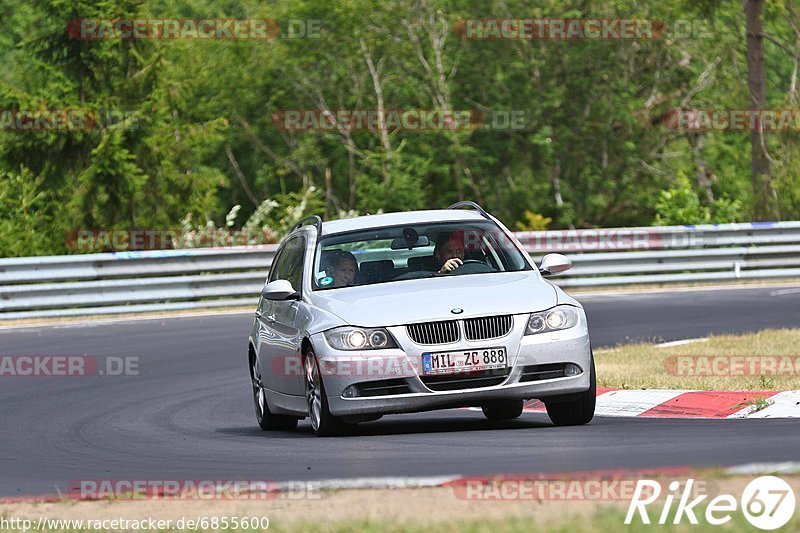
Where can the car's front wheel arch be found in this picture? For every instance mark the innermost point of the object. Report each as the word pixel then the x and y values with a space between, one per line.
pixel 323 423
pixel 265 418
pixel 251 358
pixel 575 409
pixel 305 346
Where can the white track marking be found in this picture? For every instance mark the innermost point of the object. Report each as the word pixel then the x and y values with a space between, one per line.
pixel 372 483
pixel 784 292
pixel 680 342
pixel 762 469
pixel 575 291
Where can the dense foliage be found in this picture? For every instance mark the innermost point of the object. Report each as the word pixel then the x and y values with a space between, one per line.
pixel 197 134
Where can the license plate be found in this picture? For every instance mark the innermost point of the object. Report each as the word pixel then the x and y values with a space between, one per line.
pixel 464 361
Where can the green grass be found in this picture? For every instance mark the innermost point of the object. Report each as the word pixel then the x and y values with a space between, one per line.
pixel 645 366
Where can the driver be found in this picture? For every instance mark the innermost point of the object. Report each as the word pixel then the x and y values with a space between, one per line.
pixel 449 251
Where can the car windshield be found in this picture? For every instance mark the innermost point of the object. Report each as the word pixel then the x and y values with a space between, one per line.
pixel 381 255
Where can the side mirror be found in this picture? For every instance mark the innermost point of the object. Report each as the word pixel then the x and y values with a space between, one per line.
pixel 280 289
pixel 554 264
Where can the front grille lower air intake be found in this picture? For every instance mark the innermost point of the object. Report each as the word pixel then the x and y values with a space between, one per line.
pixel 487 327
pixel 434 332
pixel 472 380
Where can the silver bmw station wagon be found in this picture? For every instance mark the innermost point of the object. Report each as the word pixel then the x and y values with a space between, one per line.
pixel 415 311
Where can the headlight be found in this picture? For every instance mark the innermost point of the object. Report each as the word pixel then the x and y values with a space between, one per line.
pixel 561 317
pixel 352 338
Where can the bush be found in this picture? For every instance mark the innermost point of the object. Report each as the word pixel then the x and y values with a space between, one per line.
pixel 25 226
pixel 533 222
pixel 681 205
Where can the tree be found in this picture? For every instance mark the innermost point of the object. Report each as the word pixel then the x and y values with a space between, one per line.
pixel 765 205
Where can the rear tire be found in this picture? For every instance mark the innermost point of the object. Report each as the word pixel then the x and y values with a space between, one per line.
pixel 502 409
pixel 323 422
pixel 578 411
pixel 267 421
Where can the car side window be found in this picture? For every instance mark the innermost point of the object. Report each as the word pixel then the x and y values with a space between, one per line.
pixel 295 258
pixel 275 269
pixel 288 263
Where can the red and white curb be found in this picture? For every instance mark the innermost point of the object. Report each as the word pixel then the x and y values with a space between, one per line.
pixel 691 404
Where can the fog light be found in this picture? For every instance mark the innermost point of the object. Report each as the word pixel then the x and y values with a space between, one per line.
pixel 571 370
pixel 350 392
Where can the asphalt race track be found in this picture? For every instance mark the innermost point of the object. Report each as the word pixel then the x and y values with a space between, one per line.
pixel 188 415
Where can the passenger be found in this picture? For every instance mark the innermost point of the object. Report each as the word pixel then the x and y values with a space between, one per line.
pixel 345 269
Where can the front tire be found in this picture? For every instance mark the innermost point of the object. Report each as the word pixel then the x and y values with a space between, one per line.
pixel 267 421
pixel 578 411
pixel 323 422
pixel 502 409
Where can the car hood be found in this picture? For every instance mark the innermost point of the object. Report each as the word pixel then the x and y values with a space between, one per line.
pixel 422 300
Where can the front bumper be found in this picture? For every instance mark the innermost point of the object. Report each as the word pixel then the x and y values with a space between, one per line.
pixel 341 369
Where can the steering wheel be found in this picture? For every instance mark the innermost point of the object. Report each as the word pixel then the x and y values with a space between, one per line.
pixel 465 269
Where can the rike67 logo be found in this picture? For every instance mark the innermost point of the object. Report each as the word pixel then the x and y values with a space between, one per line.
pixel 767 502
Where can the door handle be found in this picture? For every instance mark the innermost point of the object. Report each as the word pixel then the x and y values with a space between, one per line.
pixel 268 318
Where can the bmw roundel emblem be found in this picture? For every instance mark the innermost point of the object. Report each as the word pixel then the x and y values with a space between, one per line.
pixel 456 310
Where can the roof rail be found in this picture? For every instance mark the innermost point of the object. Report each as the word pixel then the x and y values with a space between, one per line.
pixel 313 218
pixel 473 205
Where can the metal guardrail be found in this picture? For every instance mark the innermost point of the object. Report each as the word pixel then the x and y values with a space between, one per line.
pixel 126 282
